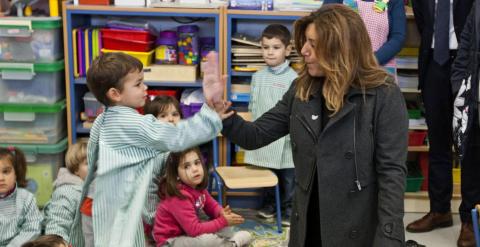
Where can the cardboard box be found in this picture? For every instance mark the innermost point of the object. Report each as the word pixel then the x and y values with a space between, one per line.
pixel 171 73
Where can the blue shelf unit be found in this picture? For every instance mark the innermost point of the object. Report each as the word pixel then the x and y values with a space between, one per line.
pixel 209 22
pixel 251 24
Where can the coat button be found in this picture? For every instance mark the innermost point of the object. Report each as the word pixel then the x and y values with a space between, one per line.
pixel 353 234
pixel 296 216
pixel 388 228
pixel 348 155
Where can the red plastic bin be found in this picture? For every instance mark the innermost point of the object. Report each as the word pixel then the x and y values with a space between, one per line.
pixel 416 138
pixel 153 93
pixel 133 35
pixel 126 45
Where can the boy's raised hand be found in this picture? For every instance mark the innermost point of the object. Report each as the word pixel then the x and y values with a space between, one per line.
pixel 213 81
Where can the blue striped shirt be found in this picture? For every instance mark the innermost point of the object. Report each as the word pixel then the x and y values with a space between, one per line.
pixel 267 87
pixel 123 149
pixel 20 219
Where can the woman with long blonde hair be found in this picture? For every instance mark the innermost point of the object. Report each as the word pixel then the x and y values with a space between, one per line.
pixel 348 126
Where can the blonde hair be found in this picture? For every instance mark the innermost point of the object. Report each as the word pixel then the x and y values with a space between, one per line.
pixel 76 154
pixel 345 55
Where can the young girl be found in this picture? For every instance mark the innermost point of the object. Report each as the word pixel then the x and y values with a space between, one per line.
pixel 166 109
pixel 20 218
pixel 183 195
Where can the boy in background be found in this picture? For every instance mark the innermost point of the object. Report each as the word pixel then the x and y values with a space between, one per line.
pixel 267 88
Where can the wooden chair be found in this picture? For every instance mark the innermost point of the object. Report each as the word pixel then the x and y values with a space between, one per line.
pixel 475 215
pixel 245 177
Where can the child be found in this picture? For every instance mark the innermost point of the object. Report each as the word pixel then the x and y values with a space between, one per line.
pixel 166 109
pixel 47 241
pixel 268 86
pixel 20 219
pixel 183 194
pixel 124 146
pixel 62 209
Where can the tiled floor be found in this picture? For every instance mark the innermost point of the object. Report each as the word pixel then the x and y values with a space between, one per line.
pixel 444 237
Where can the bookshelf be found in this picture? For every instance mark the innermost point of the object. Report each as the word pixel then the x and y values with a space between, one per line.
pixel 210 22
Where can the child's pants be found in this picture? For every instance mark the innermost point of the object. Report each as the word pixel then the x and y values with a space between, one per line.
pixel 220 239
pixel 87 228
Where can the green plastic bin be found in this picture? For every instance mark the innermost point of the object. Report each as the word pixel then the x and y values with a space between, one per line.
pixel 31 39
pixel 32 123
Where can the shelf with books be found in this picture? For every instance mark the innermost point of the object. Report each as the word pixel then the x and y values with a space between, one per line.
pixel 209 21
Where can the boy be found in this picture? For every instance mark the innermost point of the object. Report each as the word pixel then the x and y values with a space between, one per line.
pixel 124 146
pixel 61 210
pixel 267 88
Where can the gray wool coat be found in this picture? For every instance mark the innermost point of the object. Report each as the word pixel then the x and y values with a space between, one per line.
pixel 360 163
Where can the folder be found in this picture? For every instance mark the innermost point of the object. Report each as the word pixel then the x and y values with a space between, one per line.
pixel 75 56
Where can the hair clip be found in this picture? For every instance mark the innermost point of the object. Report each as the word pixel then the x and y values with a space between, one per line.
pixel 11 149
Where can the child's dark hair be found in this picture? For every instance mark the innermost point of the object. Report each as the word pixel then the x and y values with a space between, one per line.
pixel 161 104
pixel 16 157
pixel 277 31
pixel 168 185
pixel 109 71
pixel 50 240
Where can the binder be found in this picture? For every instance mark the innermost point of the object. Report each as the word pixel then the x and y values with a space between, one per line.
pixel 75 53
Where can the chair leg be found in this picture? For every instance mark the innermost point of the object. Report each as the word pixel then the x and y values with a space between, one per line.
pixel 475 226
pixel 279 211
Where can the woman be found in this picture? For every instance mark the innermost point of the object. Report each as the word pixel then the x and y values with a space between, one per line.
pixel 348 125
pixel 385 26
pixel 466 120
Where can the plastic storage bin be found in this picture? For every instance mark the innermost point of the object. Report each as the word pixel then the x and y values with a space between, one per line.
pixel 43 162
pixel 416 138
pixel 36 39
pixel 124 34
pixel 128 40
pixel 144 57
pixel 190 110
pixel 35 123
pixel 32 83
pixel 413 184
pixel 93 107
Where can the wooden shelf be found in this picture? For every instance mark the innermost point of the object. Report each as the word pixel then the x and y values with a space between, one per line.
pixel 112 8
pixel 198 83
pixel 424 195
pixel 418 148
pixel 267 13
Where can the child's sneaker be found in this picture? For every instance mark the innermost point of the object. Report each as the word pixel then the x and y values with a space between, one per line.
pixel 241 238
pixel 267 212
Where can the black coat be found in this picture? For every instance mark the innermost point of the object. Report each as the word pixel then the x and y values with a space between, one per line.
pixel 424 11
pixel 466 65
pixel 366 141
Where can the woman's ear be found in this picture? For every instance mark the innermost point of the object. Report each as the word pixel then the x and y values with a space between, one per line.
pixel 288 50
pixel 114 95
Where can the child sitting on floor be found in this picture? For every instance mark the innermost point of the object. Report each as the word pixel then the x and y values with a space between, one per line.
pixel 183 192
pixel 20 219
pixel 62 209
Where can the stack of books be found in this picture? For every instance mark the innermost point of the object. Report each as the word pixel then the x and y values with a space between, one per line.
pixel 247 54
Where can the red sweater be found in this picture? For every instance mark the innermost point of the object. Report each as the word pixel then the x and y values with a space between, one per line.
pixel 176 217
